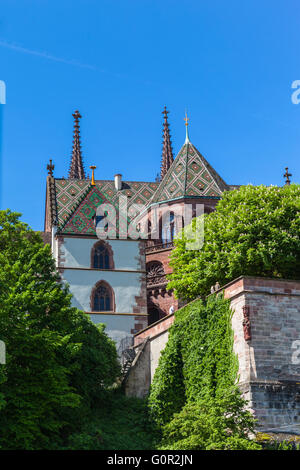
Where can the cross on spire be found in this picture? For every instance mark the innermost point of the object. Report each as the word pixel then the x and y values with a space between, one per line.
pixel 76 166
pixel 287 176
pixel 186 119
pixel 167 152
pixel 50 168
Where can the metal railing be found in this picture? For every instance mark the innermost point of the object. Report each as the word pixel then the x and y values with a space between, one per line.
pixel 156 245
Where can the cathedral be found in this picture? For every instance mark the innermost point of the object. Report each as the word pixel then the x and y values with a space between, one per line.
pixel 112 240
pixel 115 279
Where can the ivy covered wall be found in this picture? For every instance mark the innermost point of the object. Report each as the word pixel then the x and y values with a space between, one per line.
pixel 194 395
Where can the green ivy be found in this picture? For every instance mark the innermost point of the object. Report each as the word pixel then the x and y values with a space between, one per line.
pixel 194 396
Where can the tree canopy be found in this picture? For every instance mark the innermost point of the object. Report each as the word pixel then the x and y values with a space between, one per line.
pixel 254 231
pixel 58 364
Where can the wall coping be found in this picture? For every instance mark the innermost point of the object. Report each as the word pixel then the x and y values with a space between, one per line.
pixel 263 279
pixel 260 285
pixel 165 322
pixel 234 288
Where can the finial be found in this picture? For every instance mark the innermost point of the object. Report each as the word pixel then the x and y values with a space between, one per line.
pixel 165 112
pixel 186 119
pixel 76 115
pixel 50 168
pixel 287 176
pixel 93 167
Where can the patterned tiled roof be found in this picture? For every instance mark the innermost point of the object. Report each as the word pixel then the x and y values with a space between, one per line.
pixel 82 218
pixel 190 175
pixel 69 193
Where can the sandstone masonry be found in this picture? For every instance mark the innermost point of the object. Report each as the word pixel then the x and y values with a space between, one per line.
pixel 266 325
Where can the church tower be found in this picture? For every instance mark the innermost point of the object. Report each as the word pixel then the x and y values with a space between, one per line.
pixel 190 182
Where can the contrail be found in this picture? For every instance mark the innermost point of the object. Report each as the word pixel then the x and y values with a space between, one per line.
pixel 45 55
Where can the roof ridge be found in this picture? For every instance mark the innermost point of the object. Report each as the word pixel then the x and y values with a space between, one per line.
pixel 213 173
pixel 160 186
pixel 186 165
pixel 53 205
pixel 108 181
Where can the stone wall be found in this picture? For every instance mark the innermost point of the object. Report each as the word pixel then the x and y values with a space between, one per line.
pixel 266 325
pixel 148 345
pixel 138 382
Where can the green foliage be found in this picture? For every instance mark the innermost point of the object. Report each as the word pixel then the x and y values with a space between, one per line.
pixel 254 231
pixel 167 390
pixel 212 423
pixel 58 363
pixel 276 442
pixel 194 396
pixel 284 445
pixel 122 423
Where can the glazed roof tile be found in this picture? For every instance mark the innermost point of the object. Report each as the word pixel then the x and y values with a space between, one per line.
pixel 70 192
pixel 190 175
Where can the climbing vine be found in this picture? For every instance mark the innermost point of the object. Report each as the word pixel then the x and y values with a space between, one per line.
pixel 194 396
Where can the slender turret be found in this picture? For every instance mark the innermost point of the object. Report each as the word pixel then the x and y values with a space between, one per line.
pixel 167 153
pixel 76 166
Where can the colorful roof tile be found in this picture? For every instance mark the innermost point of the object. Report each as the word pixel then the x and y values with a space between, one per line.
pixel 190 175
pixel 70 192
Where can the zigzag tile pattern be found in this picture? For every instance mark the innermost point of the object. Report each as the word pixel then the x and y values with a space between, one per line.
pixel 190 175
pixel 69 192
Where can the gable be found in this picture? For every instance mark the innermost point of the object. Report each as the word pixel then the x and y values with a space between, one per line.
pixel 82 219
pixel 70 191
pixel 190 175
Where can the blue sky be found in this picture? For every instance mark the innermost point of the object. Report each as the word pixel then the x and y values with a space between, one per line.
pixel 231 64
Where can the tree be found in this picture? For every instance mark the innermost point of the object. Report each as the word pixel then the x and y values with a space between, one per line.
pixel 254 231
pixel 211 423
pixel 58 362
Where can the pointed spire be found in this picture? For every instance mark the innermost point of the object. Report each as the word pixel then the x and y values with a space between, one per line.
pixel 167 153
pixel 186 119
pixel 76 166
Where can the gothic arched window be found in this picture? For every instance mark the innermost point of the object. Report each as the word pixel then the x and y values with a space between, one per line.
pixel 102 256
pixel 102 299
pixel 155 273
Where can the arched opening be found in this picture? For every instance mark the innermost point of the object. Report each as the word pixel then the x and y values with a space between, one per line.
pixel 153 314
pixel 102 256
pixel 155 274
pixel 102 298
